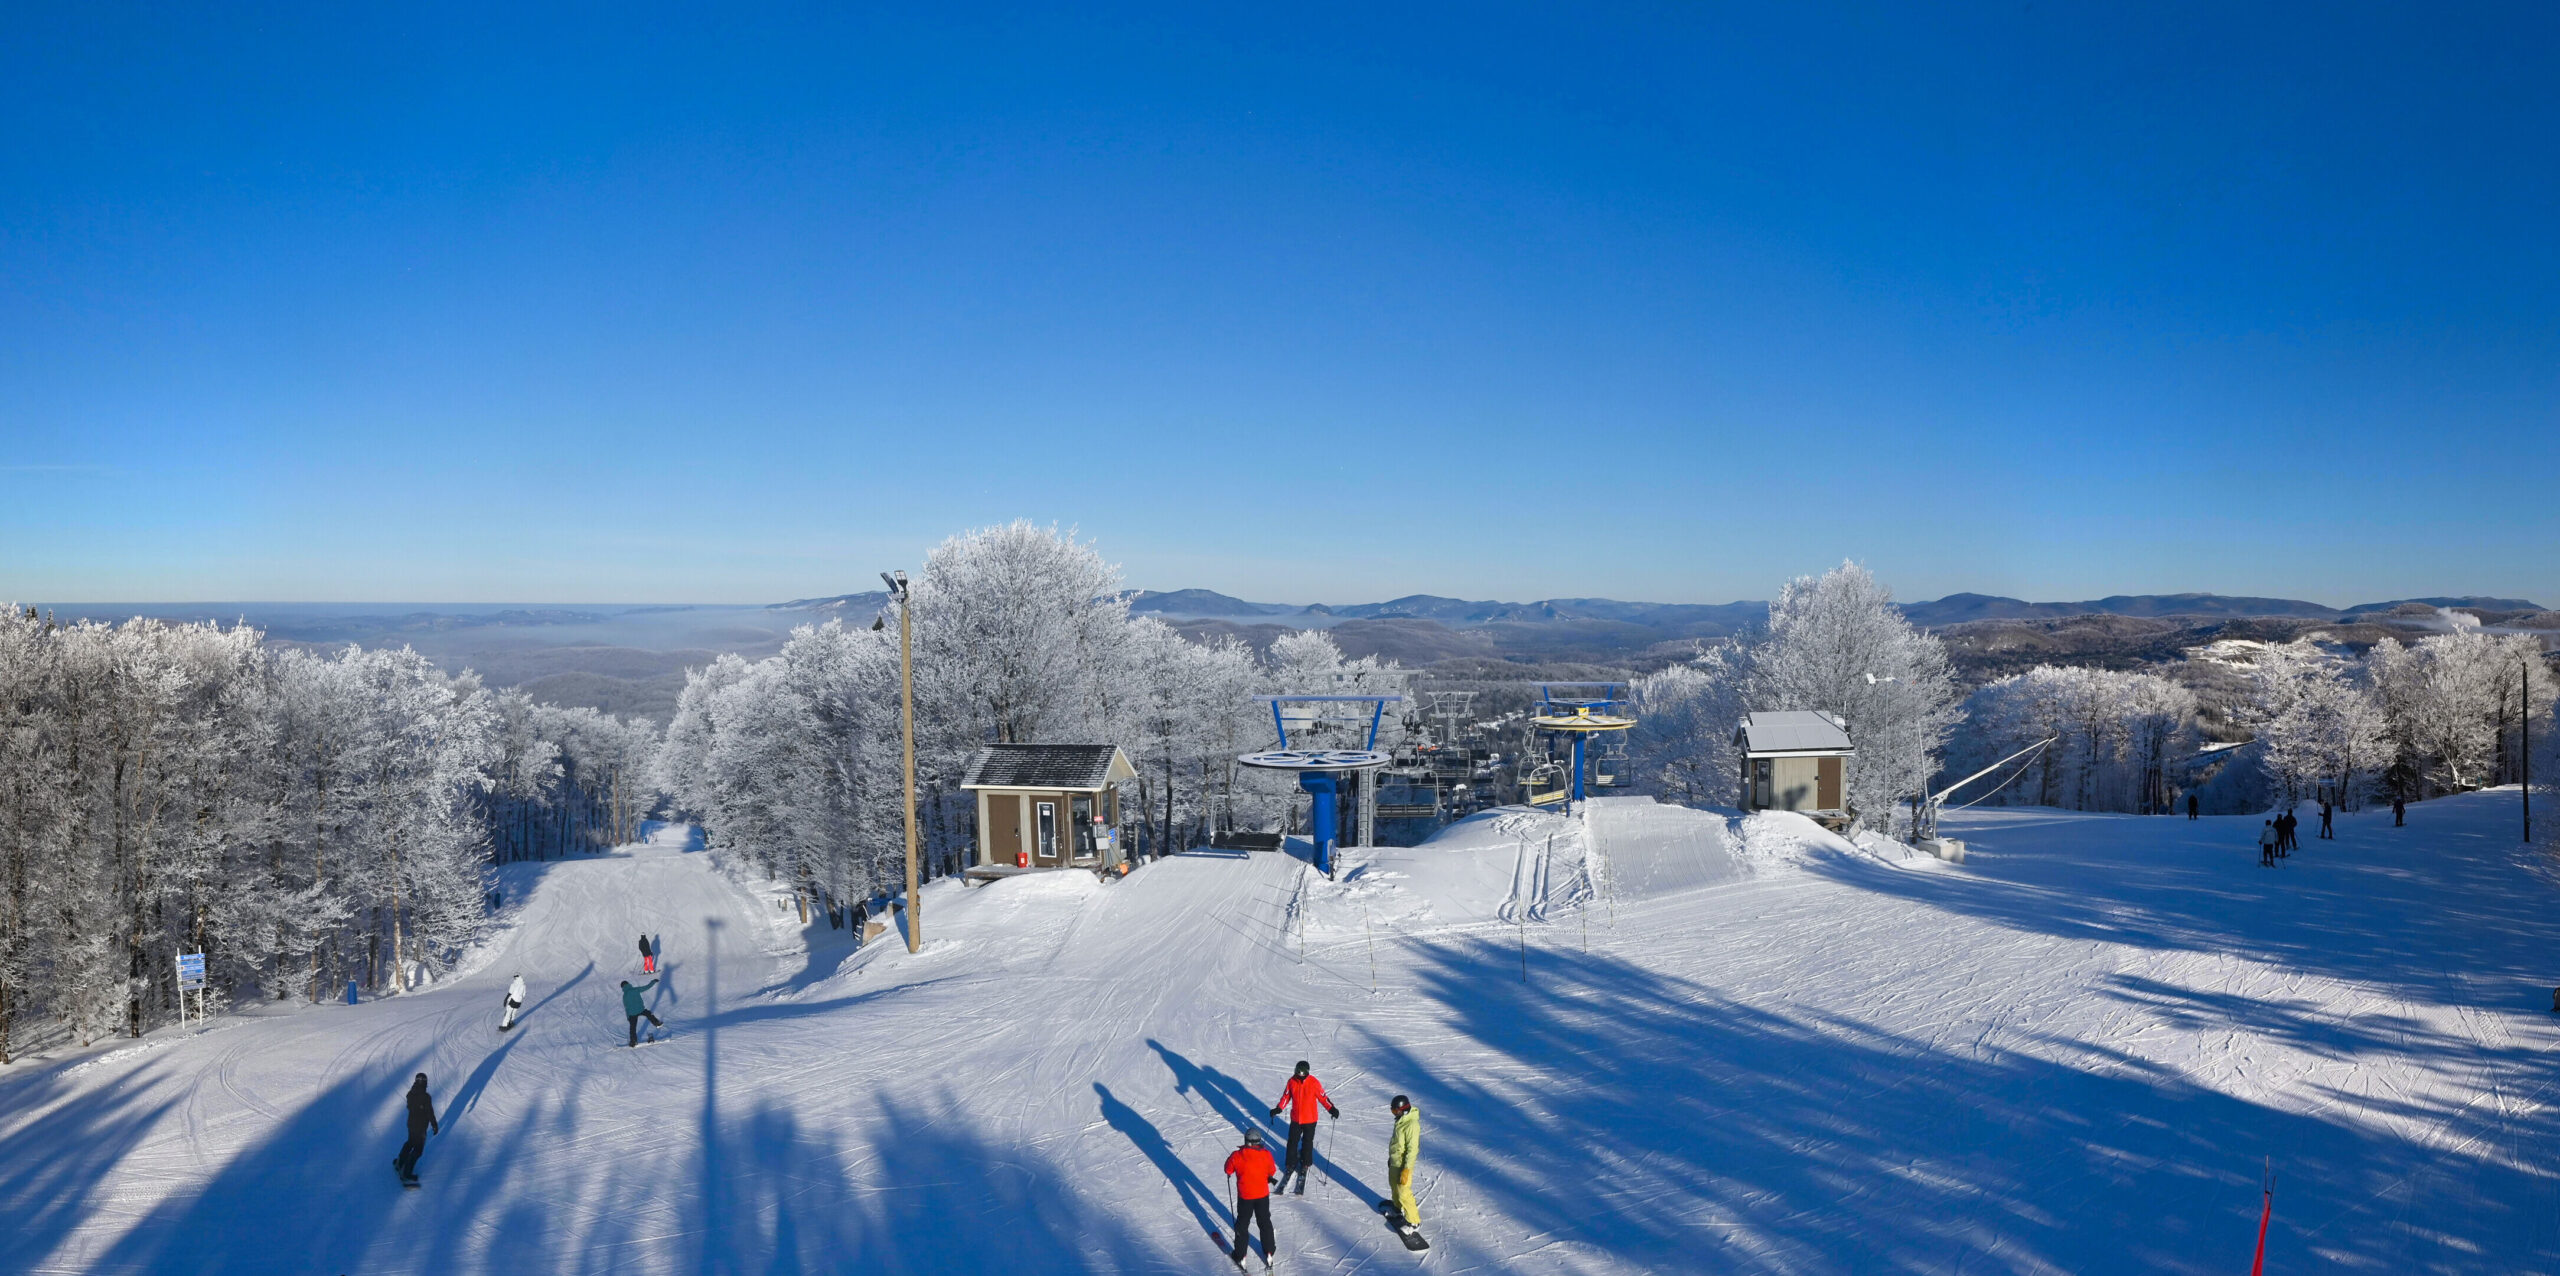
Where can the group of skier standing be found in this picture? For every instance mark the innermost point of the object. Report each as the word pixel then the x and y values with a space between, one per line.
pixel 1257 1176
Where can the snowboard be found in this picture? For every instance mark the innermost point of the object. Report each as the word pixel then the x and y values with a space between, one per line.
pixel 1406 1232
pixel 407 1180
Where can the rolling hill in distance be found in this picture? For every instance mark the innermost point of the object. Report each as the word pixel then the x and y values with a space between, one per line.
pixel 631 659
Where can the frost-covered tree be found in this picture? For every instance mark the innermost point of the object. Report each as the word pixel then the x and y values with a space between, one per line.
pixel 2114 737
pixel 1682 745
pixel 1837 644
pixel 1020 636
pixel 1187 716
pixel 2318 731
pixel 2453 702
pixel 300 818
pixel 1009 621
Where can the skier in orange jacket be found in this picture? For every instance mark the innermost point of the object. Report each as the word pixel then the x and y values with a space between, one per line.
pixel 1302 1096
pixel 1250 1166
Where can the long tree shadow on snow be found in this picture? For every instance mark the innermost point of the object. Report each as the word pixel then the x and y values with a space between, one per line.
pixel 309 1196
pixel 2421 911
pixel 1238 1106
pixel 467 1096
pixel 602 1173
pixel 1676 1129
pixel 64 1160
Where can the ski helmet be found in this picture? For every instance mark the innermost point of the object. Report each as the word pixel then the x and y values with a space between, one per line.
pixel 1253 1138
pixel 1398 1104
pixel 1302 1067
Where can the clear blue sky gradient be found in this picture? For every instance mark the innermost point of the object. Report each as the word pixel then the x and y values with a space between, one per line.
pixel 622 303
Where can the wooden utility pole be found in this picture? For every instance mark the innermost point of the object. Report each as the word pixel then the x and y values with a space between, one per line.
pixel 907 721
pixel 2524 729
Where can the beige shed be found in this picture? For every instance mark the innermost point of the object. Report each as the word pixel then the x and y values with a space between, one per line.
pixel 1794 760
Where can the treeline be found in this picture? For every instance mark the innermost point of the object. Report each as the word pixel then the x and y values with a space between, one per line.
pixel 2452 711
pixel 2446 714
pixel 1021 635
pixel 2121 741
pixel 301 818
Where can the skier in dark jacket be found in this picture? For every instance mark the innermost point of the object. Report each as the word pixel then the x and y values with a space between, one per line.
pixel 633 1011
pixel 1302 1096
pixel 2191 806
pixel 648 958
pixel 422 1118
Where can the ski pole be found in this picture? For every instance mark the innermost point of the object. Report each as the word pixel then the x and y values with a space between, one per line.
pixel 2265 1214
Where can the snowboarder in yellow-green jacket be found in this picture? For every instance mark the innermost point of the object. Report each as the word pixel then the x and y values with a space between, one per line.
pixel 1404 1150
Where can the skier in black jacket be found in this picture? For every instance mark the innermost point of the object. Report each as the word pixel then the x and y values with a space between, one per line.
pixel 422 1118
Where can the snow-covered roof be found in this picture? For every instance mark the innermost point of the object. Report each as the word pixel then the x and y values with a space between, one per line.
pixel 1087 767
pixel 1792 731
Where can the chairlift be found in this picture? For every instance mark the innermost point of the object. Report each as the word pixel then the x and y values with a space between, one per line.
pixel 1546 785
pixel 1608 764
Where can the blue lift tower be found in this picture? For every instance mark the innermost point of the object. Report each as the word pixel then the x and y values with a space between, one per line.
pixel 1582 710
pixel 1320 770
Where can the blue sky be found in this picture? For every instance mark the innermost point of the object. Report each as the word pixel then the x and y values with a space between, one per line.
pixel 622 303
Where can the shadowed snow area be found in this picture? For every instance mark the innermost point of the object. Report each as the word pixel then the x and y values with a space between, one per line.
pixel 1776 1050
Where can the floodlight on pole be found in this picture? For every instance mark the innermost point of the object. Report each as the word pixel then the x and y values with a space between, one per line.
pixel 897 583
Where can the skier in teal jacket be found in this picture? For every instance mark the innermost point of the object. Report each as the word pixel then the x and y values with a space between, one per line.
pixel 634 1011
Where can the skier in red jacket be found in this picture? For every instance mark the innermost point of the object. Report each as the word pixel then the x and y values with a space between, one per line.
pixel 1302 1096
pixel 1250 1166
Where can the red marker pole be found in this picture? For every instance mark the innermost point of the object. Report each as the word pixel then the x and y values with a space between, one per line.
pixel 2265 1214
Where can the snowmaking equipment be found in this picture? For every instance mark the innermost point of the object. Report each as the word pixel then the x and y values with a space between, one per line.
pixel 1320 771
pixel 1581 711
pixel 1924 817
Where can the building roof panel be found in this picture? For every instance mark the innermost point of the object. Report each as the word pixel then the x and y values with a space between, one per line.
pixel 1793 731
pixel 1047 766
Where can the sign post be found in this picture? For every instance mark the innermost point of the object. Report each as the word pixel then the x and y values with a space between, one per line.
pixel 191 979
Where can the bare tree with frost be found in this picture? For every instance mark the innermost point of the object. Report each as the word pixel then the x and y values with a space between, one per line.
pixel 1837 644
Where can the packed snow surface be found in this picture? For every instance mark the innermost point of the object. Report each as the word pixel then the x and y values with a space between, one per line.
pixel 1775 1050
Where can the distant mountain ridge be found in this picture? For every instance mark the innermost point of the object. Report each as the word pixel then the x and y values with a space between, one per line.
pixel 1203 604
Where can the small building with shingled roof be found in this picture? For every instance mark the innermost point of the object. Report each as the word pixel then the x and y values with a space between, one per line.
pixel 1045 806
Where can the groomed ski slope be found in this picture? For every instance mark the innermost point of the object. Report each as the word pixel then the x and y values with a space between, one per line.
pixel 1780 1052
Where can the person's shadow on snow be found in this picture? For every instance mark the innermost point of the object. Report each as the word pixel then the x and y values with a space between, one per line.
pixel 665 996
pixel 1242 1110
pixel 1196 1196
pixel 468 1097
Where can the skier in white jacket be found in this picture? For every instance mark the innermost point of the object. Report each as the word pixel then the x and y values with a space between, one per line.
pixel 515 1002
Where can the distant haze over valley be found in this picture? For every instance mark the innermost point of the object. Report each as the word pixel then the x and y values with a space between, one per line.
pixel 631 659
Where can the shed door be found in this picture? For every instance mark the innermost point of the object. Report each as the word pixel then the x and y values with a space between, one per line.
pixel 1048 822
pixel 1827 787
pixel 1794 780
pixel 1004 827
